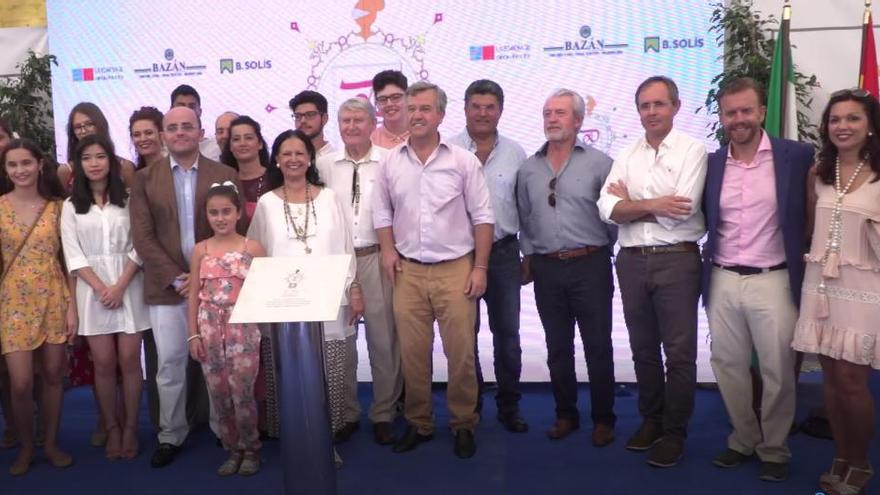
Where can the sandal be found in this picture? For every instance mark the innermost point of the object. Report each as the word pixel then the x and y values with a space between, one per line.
pixel 99 437
pixel 854 482
pixel 833 475
pixel 250 465
pixel 113 446
pixel 22 463
pixel 130 445
pixel 58 458
pixel 231 465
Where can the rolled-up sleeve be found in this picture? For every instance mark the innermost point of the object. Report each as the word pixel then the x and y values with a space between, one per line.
pixel 476 194
pixel 74 256
pixel 690 184
pixel 607 202
pixel 383 209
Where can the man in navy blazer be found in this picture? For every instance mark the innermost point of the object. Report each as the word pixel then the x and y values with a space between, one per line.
pixel 755 207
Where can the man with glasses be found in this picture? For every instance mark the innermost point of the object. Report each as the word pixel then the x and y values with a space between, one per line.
pixel 167 219
pixel 310 116
pixel 351 173
pixel 653 192
pixel 389 88
pixel 567 252
pixel 501 158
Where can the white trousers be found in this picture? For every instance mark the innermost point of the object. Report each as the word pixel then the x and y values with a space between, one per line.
pixel 170 333
pixel 754 312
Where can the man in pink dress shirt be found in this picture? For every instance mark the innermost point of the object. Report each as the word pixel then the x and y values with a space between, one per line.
pixel 755 202
pixel 434 220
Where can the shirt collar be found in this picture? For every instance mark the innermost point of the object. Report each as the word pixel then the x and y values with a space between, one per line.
pixel 765 146
pixel 176 164
pixel 578 143
pixel 444 143
pixel 371 156
pixel 668 142
pixel 465 137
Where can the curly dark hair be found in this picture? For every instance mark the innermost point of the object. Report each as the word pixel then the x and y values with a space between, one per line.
pixel 827 157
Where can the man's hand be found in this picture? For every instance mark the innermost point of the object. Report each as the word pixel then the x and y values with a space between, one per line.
pixel 671 206
pixel 183 284
pixel 356 300
pixel 618 189
pixel 525 270
pixel 391 263
pixel 476 284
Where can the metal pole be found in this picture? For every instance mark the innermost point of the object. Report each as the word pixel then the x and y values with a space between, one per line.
pixel 306 445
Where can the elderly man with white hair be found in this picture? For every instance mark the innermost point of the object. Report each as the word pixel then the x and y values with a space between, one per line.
pixel 350 172
pixel 567 252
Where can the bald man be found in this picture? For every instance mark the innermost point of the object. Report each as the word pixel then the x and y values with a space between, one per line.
pixel 221 129
pixel 167 218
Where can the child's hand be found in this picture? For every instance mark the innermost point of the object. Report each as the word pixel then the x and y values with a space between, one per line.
pixel 197 350
pixel 112 297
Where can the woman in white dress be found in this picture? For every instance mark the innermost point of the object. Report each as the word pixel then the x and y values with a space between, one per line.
pixel 301 217
pixel 96 237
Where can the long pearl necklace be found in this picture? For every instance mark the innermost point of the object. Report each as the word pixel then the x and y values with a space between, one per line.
pixel 835 229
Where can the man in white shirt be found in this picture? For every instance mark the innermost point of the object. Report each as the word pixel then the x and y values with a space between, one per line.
pixel 653 193
pixel 310 116
pixel 221 129
pixel 350 172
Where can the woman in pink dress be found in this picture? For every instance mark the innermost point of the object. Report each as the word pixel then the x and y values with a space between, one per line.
pixel 840 302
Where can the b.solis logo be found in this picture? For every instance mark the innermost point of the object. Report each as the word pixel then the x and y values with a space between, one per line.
pixel 171 66
pixel 507 51
pixel 656 44
pixel 86 74
pixel 585 44
pixel 231 66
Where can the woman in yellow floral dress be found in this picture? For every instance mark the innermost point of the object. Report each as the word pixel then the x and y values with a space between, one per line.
pixel 36 313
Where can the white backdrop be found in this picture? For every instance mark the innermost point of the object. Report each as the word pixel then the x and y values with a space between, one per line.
pixel 121 55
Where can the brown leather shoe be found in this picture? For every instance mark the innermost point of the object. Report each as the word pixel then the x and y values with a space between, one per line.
pixel 383 433
pixel 561 429
pixel 602 435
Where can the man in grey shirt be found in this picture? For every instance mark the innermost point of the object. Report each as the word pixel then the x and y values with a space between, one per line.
pixel 567 252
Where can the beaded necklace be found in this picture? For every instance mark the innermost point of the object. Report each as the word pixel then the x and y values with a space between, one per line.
pixel 300 233
pixel 831 258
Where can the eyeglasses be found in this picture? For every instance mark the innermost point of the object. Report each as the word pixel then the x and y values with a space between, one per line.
pixel 857 92
pixel 84 127
pixel 551 199
pixel 305 115
pixel 393 98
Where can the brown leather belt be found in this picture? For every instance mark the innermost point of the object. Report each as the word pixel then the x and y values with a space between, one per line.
pixel 366 250
pixel 681 247
pixel 573 253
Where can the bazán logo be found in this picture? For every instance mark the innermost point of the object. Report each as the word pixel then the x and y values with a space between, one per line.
pixel 171 67
pixel 228 65
pixel 485 52
pixel 586 45
pixel 655 43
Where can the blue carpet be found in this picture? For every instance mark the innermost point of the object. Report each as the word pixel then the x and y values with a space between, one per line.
pixel 505 463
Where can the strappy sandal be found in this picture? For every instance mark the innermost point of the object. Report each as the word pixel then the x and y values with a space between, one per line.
pixel 250 465
pixel 231 465
pixel 131 447
pixel 854 482
pixel 833 475
pixel 22 464
pixel 58 458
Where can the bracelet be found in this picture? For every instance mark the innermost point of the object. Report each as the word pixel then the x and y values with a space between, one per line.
pixel 193 337
pixel 481 267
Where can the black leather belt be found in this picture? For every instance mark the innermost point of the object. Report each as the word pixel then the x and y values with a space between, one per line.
pixel 681 247
pixel 751 270
pixel 504 240
pixel 426 263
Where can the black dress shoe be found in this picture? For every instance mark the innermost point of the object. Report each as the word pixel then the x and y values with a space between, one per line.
pixel 164 455
pixel 346 432
pixel 465 446
pixel 513 423
pixel 410 440
pixel 382 433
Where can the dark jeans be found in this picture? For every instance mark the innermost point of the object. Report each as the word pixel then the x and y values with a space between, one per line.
pixel 502 306
pixel 660 297
pixel 578 290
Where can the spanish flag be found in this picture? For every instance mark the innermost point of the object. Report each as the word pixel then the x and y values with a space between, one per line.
pixel 868 65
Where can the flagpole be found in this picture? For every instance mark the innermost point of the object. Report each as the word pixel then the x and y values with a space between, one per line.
pixel 865 26
pixel 786 63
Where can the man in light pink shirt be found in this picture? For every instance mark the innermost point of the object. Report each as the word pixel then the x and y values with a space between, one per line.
pixel 755 202
pixel 434 221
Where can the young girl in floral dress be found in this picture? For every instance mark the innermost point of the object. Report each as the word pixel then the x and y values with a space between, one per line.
pixel 229 353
